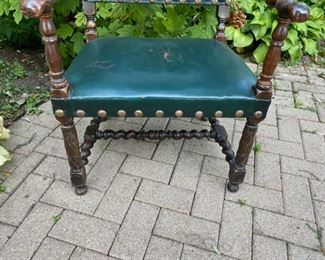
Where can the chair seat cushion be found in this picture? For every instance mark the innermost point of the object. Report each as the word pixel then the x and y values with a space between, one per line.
pixel 159 74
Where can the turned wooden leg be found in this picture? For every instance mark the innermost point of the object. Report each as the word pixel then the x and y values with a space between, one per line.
pixel 71 143
pixel 238 165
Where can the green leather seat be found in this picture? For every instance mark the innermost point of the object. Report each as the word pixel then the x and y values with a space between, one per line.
pixel 159 74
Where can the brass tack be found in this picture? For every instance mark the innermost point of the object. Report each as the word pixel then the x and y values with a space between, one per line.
pixel 182 1
pixel 159 113
pixel 214 2
pixel 59 113
pixel 152 1
pixel 179 113
pixel 138 113
pixel 258 114
pixel 198 2
pixel 218 114
pixel 239 113
pixel 228 2
pixel 102 113
pixel 80 113
pixel 168 1
pixel 199 114
pixel 121 113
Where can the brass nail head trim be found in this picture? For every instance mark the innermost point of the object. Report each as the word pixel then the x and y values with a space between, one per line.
pixel 258 114
pixel 179 113
pixel 102 113
pixel 198 2
pixel 199 114
pixel 80 113
pixel 218 114
pixel 121 113
pixel 239 113
pixel 138 113
pixel 59 113
pixel 159 113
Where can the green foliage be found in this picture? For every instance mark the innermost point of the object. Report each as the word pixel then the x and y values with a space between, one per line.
pixel 170 21
pixel 257 147
pixel 140 20
pixel 13 25
pixel 303 38
pixel 15 97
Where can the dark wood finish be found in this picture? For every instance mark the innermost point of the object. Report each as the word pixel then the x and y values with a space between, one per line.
pixel 217 132
pixel 90 12
pixel 223 12
pixel 288 11
pixel 238 165
pixel 43 9
pixel 71 143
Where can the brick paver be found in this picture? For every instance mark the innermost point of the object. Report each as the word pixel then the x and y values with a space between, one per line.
pixel 168 200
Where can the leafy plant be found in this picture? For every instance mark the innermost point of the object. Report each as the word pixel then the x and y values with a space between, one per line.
pixel 170 21
pixel 242 202
pixel 257 147
pixel 56 218
pixel 303 38
pixel 4 134
pixel 299 103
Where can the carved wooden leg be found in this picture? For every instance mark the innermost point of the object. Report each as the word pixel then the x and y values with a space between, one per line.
pixel 238 165
pixel 71 143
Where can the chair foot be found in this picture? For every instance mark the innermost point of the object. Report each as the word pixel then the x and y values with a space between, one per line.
pixel 78 180
pixel 232 187
pixel 81 190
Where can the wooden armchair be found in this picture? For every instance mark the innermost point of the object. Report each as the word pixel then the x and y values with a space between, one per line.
pixel 159 77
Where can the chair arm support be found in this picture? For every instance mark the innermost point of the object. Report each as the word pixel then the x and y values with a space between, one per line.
pixel 43 9
pixel 288 11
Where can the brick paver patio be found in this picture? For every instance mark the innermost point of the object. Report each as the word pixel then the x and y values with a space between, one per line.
pixel 168 200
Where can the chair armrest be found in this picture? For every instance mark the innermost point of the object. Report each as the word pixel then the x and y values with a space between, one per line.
pixel 288 11
pixel 36 8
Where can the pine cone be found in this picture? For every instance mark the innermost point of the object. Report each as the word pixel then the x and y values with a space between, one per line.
pixel 237 18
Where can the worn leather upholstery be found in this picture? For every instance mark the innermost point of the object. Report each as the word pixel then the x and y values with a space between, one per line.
pixel 159 74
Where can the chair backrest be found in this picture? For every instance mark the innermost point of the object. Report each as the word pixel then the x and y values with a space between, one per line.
pixel 223 11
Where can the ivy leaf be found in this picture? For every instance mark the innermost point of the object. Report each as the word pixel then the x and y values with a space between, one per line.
pixel 78 41
pixel 65 31
pixel 242 40
pixel 260 52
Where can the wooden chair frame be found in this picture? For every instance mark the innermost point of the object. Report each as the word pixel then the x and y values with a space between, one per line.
pixel 288 11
